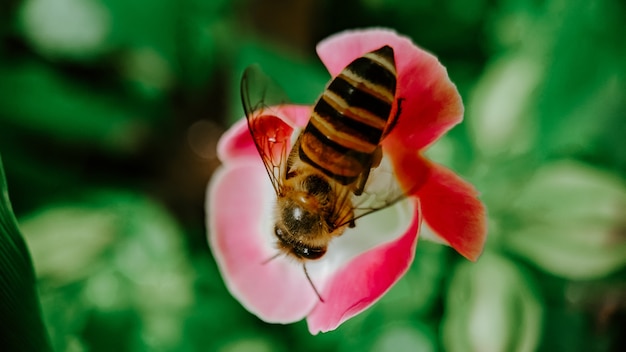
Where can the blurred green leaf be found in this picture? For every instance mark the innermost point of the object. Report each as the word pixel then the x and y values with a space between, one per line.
pixel 499 115
pixel 573 221
pixel 116 257
pixel 21 326
pixel 492 305
pixel 140 25
pixel 400 336
pixel 560 80
pixel 405 337
pixel 42 101
pixel 418 291
pixel 586 72
pixel 246 341
pixel 75 29
pixel 568 330
pixel 204 39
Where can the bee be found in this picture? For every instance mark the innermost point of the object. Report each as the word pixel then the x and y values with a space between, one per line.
pixel 322 179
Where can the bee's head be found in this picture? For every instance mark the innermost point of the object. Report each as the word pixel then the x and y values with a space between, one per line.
pixel 300 228
pixel 298 249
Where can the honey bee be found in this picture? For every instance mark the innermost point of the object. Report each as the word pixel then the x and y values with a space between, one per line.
pixel 321 179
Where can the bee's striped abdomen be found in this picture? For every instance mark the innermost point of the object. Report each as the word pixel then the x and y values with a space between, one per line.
pixel 349 119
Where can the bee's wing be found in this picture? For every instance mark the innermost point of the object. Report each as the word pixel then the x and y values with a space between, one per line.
pixel 381 190
pixel 270 134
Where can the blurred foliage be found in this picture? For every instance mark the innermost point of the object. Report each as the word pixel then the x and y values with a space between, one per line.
pixel 21 327
pixel 110 111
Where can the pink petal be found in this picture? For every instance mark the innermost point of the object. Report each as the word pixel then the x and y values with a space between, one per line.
pixel 451 209
pixel 240 201
pixel 364 280
pixel 237 141
pixel 431 103
pixel 296 116
pixel 411 172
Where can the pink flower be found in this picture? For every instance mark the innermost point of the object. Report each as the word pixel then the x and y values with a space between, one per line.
pixel 363 263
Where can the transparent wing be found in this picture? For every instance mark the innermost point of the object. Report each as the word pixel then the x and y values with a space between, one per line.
pixel 381 191
pixel 259 91
pixel 271 135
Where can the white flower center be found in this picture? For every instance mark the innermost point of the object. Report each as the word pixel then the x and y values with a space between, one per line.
pixel 372 230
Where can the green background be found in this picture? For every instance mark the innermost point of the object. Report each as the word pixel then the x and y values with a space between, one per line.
pixel 110 111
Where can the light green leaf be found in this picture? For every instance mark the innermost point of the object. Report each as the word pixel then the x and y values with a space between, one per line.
pixel 573 218
pixel 492 306
pixel 117 255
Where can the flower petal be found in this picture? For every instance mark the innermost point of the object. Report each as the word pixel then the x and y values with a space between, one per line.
pixel 410 170
pixel 451 209
pixel 237 141
pixel 364 280
pixel 431 104
pixel 240 201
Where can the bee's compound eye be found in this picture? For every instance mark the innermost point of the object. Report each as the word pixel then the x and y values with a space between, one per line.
pixel 309 252
pixel 279 232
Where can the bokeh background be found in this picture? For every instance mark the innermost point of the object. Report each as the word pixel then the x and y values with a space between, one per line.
pixel 110 111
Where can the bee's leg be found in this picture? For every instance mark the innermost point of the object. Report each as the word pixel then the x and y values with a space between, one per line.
pixel 377 156
pixel 291 159
pixel 351 223
pixel 359 184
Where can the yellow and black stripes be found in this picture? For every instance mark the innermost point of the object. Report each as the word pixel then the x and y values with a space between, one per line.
pixel 349 119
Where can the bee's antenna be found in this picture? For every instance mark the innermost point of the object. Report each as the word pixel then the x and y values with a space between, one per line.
pixel 311 282
pixel 271 258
